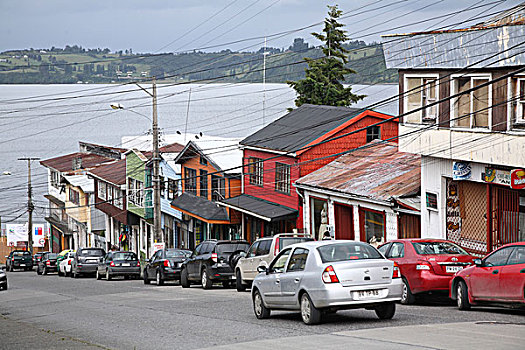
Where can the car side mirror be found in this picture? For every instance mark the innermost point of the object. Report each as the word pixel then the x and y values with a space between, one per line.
pixel 243 254
pixel 478 262
pixel 147 261
pixel 262 269
pixel 101 259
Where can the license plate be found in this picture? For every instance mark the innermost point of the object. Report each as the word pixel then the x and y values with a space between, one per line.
pixel 22 264
pixel 453 269
pixel 125 264
pixel 364 294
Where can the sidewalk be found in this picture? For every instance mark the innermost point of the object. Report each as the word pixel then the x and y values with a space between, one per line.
pixel 456 336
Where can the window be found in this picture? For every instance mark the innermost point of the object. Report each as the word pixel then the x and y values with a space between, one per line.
pixel 438 248
pixel 298 260
pixel 420 92
pixel 255 171
pixel 397 251
pixel 517 256
pixel 253 250
pixel 279 263
pixel 74 196
pixel 136 192
pixel 518 86
pixel 373 133
pixel 163 188
pixel 282 178
pixel 319 217
pixel 347 251
pixel 190 180
pixel 118 198
pixel 264 247
pixel 173 188
pixel 431 200
pixel 102 190
pixel 384 248
pixel 499 257
pixel 374 226
pixel 109 193
pixel 204 183
pixel 471 110
pixel 55 179
pixel 218 188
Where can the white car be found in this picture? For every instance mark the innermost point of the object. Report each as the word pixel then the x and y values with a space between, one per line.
pixel 326 276
pixel 263 251
pixel 64 268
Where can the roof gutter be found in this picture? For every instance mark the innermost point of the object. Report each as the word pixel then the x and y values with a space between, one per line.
pixel 291 154
pixel 342 194
pixel 244 211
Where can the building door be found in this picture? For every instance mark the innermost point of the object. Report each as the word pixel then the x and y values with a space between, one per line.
pixel 344 222
pixel 409 226
pixel 505 216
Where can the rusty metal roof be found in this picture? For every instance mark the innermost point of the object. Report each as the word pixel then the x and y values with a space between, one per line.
pixel 112 172
pixel 378 172
pixel 67 162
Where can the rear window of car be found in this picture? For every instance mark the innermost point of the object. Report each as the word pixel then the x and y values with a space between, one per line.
pixel 224 248
pixel 347 251
pixel 286 241
pixel 21 253
pixel 177 253
pixel 124 256
pixel 91 252
pixel 437 248
pixel 52 256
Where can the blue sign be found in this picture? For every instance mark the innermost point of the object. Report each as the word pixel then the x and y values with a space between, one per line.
pixel 461 171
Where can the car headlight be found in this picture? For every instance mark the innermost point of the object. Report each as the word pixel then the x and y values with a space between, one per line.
pixel 2 273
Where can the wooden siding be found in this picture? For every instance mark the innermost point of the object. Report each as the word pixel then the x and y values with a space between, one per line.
pixel 109 209
pixel 267 191
pixel 135 168
pixel 308 158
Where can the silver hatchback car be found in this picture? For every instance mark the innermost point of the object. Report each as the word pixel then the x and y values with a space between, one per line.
pixel 326 276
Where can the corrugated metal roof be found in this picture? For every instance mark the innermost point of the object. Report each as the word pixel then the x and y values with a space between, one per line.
pixel 300 127
pixel 82 181
pixel 112 172
pixel 83 160
pixel 379 173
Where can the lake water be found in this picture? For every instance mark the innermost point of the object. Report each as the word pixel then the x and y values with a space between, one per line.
pixel 46 121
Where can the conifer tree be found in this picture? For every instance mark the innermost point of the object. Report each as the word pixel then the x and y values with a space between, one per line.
pixel 322 84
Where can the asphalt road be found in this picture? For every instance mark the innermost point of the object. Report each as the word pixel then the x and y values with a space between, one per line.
pixel 51 312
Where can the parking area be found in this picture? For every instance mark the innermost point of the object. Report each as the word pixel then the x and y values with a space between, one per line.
pixel 123 314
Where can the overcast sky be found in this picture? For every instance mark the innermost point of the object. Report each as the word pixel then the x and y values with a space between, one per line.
pixel 178 25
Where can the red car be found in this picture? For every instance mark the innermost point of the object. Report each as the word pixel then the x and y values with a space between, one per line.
pixel 426 265
pixel 499 278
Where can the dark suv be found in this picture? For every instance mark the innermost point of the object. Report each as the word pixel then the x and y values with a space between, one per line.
pixel 19 259
pixel 86 261
pixel 165 265
pixel 210 262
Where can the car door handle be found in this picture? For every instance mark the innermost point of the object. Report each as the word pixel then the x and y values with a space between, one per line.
pixel 277 281
pixel 495 272
pixel 297 280
pixel 522 271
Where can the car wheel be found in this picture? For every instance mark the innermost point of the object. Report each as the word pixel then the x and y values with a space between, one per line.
pixel 407 297
pixel 462 296
pixel 45 271
pixel 11 268
pixel 145 277
pixel 238 282
pixel 259 309
pixel 99 277
pixel 184 282
pixel 108 276
pixel 205 279
pixel 60 273
pixel 38 272
pixel 160 281
pixel 386 311
pixel 309 313
pixel 75 274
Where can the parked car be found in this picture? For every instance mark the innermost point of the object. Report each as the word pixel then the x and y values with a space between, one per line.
pixel 210 262
pixel 19 259
pixel 263 250
pixel 498 279
pixel 86 261
pixel 165 265
pixel 64 266
pixel 48 263
pixel 326 276
pixel 3 278
pixel 426 265
pixel 121 263
pixel 62 255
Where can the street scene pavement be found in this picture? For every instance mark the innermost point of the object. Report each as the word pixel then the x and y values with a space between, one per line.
pixel 51 312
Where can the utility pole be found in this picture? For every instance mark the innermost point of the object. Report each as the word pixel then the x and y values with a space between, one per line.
pixel 30 206
pixel 157 230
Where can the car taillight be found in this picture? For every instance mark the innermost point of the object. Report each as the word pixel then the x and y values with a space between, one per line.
pixel 138 263
pixel 276 246
pixel 167 263
pixel 48 262
pixel 329 275
pixel 214 257
pixel 395 272
pixel 423 265
pixel 69 262
pixel 112 264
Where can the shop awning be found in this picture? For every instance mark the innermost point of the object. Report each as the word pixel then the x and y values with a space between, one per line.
pixel 259 208
pixel 201 208
pixel 59 225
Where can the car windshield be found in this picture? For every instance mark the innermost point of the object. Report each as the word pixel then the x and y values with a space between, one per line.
pixel 124 256
pixel 177 253
pixel 224 248
pixel 286 241
pixel 20 253
pixel 52 256
pixel 347 251
pixel 91 252
pixel 437 248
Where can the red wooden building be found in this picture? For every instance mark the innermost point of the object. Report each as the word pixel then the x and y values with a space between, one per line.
pixel 295 145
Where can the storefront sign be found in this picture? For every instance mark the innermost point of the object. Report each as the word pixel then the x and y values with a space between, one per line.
pixel 158 246
pixel 461 171
pixel 39 235
pixel 497 176
pixel 16 233
pixel 432 201
pixel 517 179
